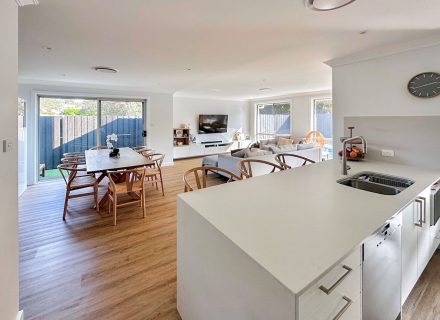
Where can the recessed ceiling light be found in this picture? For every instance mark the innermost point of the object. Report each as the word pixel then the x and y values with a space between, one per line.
pixel 327 5
pixel 265 89
pixel 363 32
pixel 188 69
pixel 47 48
pixel 105 69
pixel 216 90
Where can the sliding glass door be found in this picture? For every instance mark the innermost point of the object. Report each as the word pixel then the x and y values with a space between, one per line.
pixel 76 124
pixel 125 119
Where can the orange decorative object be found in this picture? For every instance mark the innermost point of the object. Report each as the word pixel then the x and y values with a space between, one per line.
pixel 315 137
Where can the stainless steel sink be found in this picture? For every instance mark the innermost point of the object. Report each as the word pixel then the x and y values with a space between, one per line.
pixel 377 183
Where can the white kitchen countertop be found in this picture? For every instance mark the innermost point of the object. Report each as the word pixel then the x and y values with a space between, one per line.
pixel 299 223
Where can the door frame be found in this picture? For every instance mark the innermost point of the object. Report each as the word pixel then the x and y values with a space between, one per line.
pixel 34 112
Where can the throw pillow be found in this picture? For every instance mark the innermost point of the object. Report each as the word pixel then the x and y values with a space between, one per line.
pixel 284 141
pixel 274 149
pixel 239 154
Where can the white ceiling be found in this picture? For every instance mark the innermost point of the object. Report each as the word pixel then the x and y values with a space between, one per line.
pixel 233 47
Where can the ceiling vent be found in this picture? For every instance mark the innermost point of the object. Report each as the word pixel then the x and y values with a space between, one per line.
pixel 22 3
pixel 105 69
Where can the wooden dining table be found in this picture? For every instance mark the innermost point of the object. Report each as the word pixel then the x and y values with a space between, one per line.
pixel 99 162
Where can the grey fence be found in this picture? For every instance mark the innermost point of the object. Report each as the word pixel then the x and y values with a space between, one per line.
pixel 324 124
pixel 278 123
pixel 61 134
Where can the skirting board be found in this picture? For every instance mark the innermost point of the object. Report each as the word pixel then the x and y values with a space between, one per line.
pixel 20 315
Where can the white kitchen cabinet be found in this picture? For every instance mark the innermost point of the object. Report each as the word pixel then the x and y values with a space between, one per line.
pixel 424 240
pixel 417 241
pixel 336 293
pixel 409 251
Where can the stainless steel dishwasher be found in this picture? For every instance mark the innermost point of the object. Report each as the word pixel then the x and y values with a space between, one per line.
pixel 381 273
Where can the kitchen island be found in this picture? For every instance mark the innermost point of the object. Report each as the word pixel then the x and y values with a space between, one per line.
pixel 251 249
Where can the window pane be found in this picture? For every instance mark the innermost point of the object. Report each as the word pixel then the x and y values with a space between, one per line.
pixel 323 117
pixel 123 118
pixel 273 119
pixel 65 125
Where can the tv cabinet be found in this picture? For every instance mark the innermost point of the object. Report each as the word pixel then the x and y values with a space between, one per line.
pixel 208 148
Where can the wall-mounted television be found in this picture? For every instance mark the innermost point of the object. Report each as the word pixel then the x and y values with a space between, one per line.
pixel 213 123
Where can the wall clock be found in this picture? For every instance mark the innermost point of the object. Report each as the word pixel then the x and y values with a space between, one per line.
pixel 425 85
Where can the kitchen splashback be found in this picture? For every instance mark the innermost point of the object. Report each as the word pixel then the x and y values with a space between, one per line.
pixel 414 139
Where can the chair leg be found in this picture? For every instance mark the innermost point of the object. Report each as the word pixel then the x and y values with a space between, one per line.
pixel 66 202
pixel 161 184
pixel 110 201
pixel 143 203
pixel 115 206
pixel 95 195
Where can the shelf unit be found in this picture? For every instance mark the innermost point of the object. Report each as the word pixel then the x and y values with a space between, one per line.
pixel 183 139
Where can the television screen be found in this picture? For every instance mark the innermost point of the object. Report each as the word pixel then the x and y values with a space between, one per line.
pixel 213 123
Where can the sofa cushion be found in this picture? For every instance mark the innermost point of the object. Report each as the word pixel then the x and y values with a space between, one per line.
pixel 284 141
pixel 304 146
pixel 210 161
pixel 255 153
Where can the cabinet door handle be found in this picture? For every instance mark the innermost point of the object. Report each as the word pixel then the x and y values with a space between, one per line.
pixel 419 222
pixel 347 305
pixel 329 290
pixel 424 209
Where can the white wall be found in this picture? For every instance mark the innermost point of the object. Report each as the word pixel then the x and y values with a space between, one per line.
pixel 301 110
pixel 159 116
pixel 378 87
pixel 8 161
pixel 187 110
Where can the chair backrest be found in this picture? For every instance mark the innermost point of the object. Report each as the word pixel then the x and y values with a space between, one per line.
pixel 200 174
pixel 156 157
pixel 73 157
pixel 99 148
pixel 141 149
pixel 315 137
pixel 245 166
pixel 281 158
pixel 69 171
pixel 133 178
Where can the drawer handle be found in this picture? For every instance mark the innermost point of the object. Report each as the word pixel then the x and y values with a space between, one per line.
pixel 329 290
pixel 347 305
pixel 424 209
pixel 419 222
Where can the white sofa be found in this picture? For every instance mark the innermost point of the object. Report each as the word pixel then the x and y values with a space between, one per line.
pixel 230 163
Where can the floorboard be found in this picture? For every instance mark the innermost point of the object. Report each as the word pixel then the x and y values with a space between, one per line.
pixel 86 268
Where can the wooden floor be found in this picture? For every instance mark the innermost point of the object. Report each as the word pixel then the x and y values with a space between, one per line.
pixel 85 268
pixel 424 300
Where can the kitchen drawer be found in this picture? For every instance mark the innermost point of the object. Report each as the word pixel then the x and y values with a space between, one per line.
pixel 326 297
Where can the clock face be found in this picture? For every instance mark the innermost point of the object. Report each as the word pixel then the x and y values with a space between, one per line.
pixel 425 85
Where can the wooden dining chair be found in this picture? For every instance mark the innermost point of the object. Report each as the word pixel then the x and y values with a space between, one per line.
pixel 281 158
pixel 132 184
pixel 200 176
pixel 141 149
pixel 153 172
pixel 245 166
pixel 76 179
